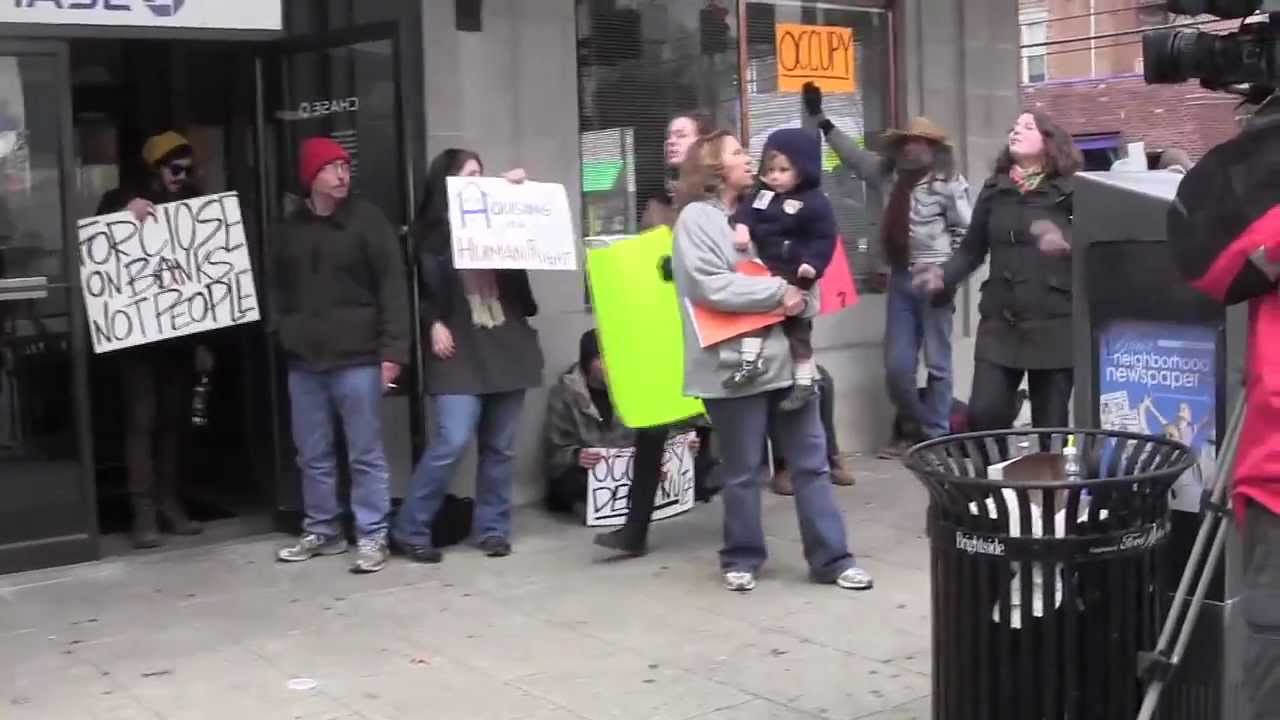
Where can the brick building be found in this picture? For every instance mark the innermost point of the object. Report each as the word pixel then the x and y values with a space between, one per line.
pixel 1094 87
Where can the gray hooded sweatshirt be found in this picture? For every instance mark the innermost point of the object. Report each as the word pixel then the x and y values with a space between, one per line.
pixel 703 263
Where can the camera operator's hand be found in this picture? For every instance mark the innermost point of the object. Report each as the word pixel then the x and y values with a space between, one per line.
pixel 811 95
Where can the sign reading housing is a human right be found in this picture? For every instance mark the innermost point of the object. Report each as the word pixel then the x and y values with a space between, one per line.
pixel 183 270
pixel 501 225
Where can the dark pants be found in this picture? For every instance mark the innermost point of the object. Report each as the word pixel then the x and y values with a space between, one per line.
pixel 742 425
pixel 799 333
pixel 157 402
pixel 1261 609
pixel 993 404
pixel 645 475
pixel 826 412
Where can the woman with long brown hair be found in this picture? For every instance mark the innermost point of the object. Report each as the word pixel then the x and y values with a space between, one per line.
pixel 1023 220
pixel 714 176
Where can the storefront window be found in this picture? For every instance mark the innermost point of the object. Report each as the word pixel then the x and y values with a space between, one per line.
pixel 640 63
pixel 643 61
pixel 862 112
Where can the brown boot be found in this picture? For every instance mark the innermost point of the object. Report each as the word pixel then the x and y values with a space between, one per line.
pixel 174 519
pixel 145 533
pixel 840 475
pixel 781 483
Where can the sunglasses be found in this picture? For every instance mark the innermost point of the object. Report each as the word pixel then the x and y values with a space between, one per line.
pixel 179 170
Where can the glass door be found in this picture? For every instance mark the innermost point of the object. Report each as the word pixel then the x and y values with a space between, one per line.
pixel 345 86
pixel 46 488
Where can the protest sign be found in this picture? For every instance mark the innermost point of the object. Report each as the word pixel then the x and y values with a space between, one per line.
pixel 184 270
pixel 837 288
pixel 1162 379
pixel 821 54
pixel 502 225
pixel 609 483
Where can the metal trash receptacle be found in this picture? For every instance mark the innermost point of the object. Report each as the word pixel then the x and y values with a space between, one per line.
pixel 1045 589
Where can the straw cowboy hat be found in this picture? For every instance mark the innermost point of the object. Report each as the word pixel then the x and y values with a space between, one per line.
pixel 920 127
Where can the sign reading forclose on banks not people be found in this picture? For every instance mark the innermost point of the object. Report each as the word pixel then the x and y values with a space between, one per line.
pixel 502 225
pixel 184 270
pixel 206 14
pixel 821 54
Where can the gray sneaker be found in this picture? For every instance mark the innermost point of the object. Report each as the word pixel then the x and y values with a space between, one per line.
pixel 311 545
pixel 371 554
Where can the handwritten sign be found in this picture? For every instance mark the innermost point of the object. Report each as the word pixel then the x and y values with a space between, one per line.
pixel 837 289
pixel 609 484
pixel 502 225
pixel 821 54
pixel 184 270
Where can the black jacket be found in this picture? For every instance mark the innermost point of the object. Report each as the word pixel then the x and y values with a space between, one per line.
pixel 338 288
pixel 440 287
pixel 1025 306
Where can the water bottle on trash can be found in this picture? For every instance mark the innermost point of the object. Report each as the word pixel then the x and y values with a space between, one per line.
pixel 1071 460
pixel 200 401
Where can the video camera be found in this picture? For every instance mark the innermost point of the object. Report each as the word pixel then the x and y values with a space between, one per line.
pixel 1245 61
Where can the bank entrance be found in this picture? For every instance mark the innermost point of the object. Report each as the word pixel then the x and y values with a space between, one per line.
pixel 74 114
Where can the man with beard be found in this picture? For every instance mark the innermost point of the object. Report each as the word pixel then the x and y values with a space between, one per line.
pixel 157 378
pixel 927 209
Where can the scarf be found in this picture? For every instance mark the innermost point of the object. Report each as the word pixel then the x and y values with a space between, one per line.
pixel 481 290
pixel 1026 180
pixel 896 235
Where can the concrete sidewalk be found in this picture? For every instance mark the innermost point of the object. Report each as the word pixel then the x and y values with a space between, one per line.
pixel 558 631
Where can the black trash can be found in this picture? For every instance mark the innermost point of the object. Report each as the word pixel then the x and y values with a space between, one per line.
pixel 1045 589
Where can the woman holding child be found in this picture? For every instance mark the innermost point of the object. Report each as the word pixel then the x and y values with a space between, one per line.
pixel 716 173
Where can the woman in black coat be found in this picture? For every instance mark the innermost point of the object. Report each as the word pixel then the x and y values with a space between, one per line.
pixel 1022 218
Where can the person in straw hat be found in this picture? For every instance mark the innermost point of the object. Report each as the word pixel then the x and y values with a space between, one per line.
pixel 926 211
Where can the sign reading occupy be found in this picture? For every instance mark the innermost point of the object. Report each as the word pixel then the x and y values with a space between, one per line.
pixel 609 483
pixel 184 270
pixel 821 54
pixel 502 225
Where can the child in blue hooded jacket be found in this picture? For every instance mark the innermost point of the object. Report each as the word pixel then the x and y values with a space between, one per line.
pixel 793 227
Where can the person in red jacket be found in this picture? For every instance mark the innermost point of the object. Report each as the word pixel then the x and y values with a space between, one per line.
pixel 1224 230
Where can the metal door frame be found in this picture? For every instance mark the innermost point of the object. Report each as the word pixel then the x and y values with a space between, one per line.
pixel 271 56
pixel 79 547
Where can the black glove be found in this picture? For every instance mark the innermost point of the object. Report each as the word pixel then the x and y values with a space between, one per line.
pixel 812 96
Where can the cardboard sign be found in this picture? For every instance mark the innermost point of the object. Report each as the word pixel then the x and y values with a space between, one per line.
pixel 184 270
pixel 502 225
pixel 821 54
pixel 837 288
pixel 641 331
pixel 609 483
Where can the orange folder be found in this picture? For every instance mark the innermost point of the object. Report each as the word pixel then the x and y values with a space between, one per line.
pixel 713 326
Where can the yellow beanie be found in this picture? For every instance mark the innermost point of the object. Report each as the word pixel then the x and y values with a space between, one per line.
pixel 157 146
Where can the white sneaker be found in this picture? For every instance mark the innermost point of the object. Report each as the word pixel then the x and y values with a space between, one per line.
pixel 738 581
pixel 855 578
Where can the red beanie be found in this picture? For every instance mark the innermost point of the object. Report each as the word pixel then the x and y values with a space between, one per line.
pixel 317 152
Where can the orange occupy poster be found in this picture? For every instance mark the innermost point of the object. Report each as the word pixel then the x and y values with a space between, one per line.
pixel 714 326
pixel 821 54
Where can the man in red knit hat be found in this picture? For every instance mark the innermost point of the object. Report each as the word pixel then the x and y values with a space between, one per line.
pixel 340 311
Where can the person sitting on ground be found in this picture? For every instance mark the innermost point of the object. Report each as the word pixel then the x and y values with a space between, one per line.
pixel 581 423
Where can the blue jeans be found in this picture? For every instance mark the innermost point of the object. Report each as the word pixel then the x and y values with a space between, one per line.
pixel 913 324
pixel 356 394
pixel 742 425
pixel 493 421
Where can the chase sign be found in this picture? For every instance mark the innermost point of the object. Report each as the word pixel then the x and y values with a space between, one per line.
pixel 206 14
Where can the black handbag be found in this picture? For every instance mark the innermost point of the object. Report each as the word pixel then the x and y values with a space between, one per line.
pixel 452 523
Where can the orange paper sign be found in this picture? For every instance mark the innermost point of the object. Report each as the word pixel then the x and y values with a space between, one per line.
pixel 821 54
pixel 715 327
pixel 837 288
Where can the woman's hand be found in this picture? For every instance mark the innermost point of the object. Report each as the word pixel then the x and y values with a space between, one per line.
pixel 792 301
pixel 927 278
pixel 140 208
pixel 517 176
pixel 1049 238
pixel 441 341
